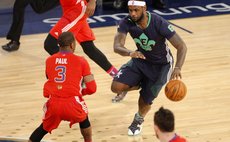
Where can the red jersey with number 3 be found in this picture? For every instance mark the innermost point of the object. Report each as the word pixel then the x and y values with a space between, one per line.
pixel 65 72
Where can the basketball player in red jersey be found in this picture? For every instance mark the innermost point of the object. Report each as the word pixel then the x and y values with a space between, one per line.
pixel 74 19
pixel 65 73
pixel 164 123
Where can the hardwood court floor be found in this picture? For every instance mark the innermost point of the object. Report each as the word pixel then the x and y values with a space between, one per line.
pixel 203 116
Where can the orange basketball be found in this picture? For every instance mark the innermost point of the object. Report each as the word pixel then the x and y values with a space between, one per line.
pixel 175 90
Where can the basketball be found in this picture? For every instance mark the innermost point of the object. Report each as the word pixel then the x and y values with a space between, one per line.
pixel 175 90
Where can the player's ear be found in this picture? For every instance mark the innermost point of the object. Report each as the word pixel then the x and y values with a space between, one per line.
pixel 72 45
pixel 156 128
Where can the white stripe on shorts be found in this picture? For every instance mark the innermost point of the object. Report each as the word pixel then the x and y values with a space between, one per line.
pixel 74 22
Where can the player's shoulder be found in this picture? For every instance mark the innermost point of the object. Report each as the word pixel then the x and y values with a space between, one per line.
pixel 127 20
pixel 155 16
pixel 79 58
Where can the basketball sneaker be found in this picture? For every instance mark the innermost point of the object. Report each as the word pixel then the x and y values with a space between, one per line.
pixel 136 126
pixel 11 46
pixel 119 97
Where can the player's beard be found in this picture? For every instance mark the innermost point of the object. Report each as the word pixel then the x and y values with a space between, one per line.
pixel 140 18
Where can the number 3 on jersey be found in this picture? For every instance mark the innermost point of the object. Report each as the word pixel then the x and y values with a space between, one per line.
pixel 61 76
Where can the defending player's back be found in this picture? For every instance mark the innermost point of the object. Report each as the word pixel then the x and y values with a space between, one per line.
pixel 65 72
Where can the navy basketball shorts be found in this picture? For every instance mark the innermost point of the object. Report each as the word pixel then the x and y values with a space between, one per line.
pixel 150 77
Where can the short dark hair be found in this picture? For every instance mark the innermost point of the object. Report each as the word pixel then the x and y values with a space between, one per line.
pixel 164 119
pixel 65 39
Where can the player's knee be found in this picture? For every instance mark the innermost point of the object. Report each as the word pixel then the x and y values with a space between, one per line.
pixel 85 124
pixel 117 87
pixel 114 88
pixel 50 45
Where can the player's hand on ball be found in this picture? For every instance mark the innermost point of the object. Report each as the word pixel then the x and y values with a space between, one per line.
pixel 176 74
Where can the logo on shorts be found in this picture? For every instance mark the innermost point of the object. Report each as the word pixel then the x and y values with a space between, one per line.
pixel 144 42
pixel 119 73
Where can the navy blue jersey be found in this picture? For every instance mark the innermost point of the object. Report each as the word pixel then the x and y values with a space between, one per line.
pixel 152 40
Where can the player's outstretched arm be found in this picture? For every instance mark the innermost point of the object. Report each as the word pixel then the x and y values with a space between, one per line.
pixel 181 47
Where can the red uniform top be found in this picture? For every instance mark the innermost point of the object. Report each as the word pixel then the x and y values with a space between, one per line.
pixel 177 139
pixel 65 72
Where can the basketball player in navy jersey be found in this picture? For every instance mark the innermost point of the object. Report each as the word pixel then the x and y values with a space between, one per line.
pixel 151 65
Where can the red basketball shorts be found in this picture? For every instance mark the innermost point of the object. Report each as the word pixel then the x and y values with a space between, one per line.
pixel 72 109
pixel 75 20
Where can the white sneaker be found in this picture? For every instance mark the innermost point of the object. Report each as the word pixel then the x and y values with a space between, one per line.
pixel 119 97
pixel 136 126
pixel 133 131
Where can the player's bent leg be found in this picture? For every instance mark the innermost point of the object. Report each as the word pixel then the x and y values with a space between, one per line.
pixel 50 45
pixel 143 107
pixel 38 134
pixel 136 126
pixel 120 89
pixel 119 97
pixel 86 130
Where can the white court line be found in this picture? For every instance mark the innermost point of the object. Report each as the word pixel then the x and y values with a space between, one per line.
pixel 17 139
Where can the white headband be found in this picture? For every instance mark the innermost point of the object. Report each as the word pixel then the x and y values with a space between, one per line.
pixel 136 3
